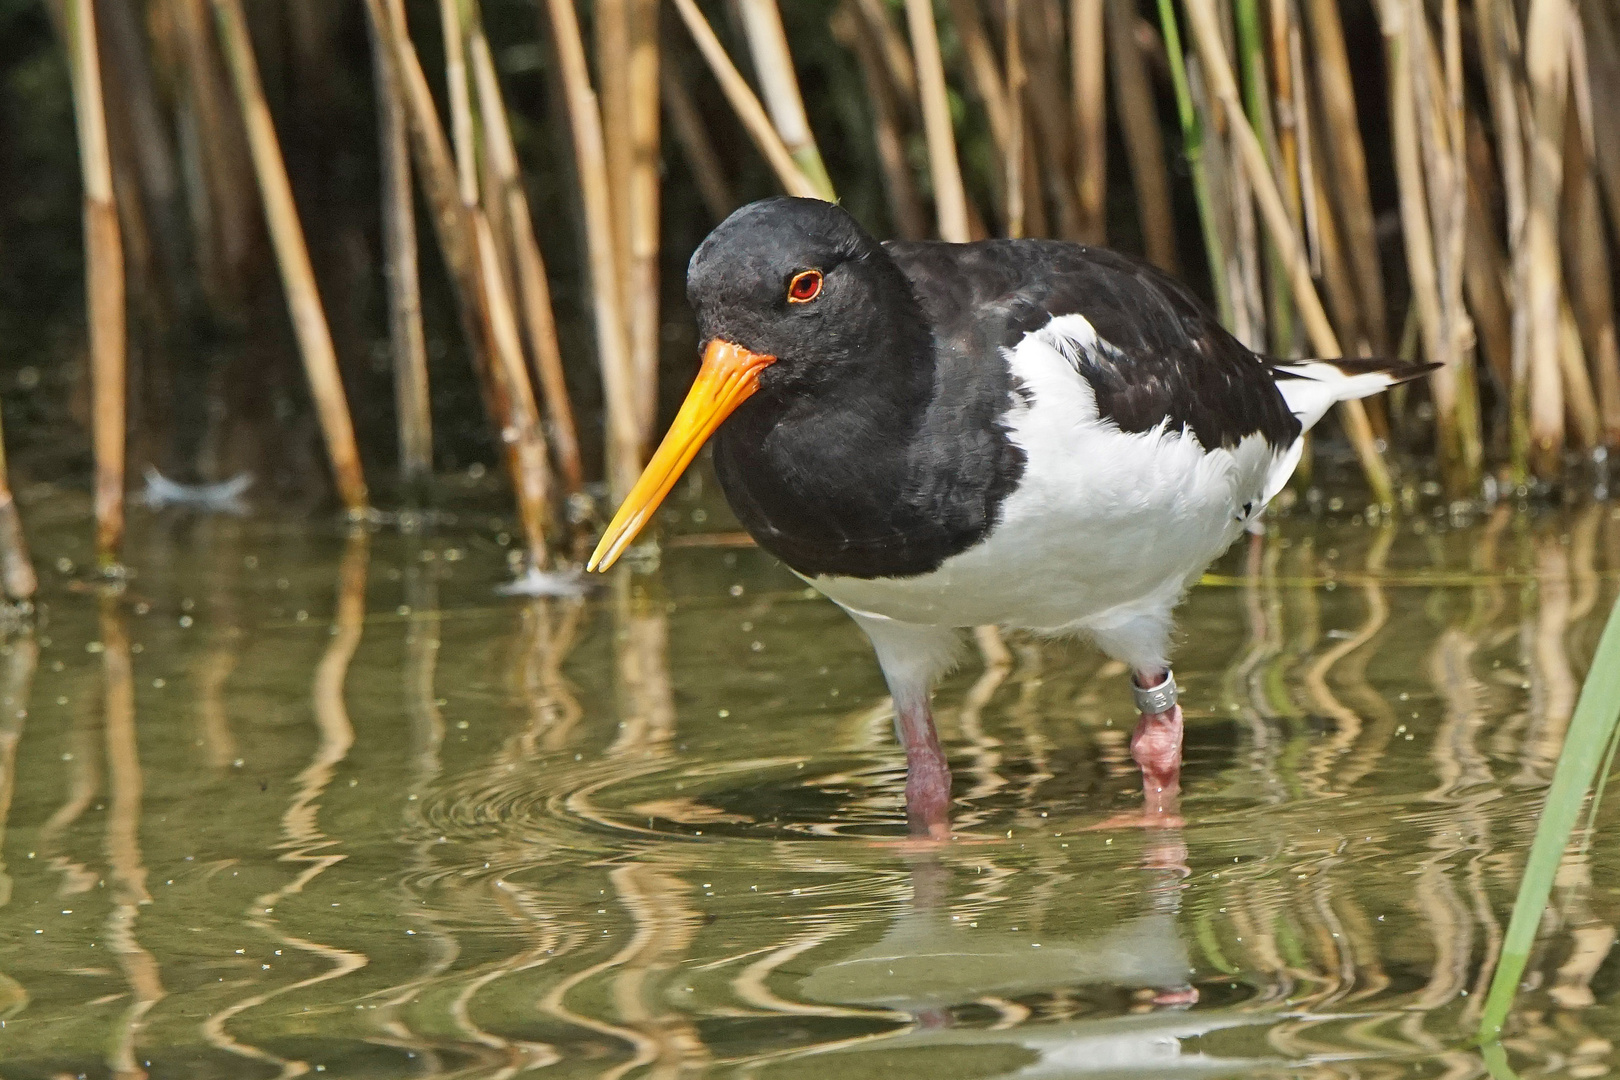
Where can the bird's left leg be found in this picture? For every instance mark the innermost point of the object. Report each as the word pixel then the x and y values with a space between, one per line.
pixel 912 657
pixel 1143 641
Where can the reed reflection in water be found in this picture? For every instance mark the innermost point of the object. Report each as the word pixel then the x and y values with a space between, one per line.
pixel 302 801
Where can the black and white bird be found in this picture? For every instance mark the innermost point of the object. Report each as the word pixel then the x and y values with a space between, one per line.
pixel 1021 433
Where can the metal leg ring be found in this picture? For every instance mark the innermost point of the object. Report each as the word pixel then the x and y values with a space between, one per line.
pixel 1156 699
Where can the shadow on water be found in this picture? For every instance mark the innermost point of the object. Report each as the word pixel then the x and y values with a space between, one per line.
pixel 301 802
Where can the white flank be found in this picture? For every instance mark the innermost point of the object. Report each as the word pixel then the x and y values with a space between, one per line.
pixel 1104 532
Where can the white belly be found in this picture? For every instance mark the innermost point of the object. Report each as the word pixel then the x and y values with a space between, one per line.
pixel 1104 523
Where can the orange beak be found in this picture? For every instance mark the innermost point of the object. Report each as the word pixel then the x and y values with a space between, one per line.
pixel 728 377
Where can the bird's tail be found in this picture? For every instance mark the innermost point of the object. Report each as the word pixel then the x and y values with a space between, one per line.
pixel 1312 387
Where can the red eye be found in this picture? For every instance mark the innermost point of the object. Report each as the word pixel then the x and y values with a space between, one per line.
pixel 805 287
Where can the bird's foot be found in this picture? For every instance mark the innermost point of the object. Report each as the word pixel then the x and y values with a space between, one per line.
pixel 1156 742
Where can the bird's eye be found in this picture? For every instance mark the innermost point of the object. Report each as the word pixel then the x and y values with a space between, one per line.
pixel 805 287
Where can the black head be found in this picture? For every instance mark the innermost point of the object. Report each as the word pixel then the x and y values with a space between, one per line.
pixel 799 280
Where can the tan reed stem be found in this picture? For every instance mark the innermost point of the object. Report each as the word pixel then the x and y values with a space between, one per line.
pixel 292 256
pixel 747 106
pixel 641 209
pixel 1206 32
pixel 1014 161
pixel 1144 145
pixel 485 306
pixel 460 97
pixel 1348 164
pixel 533 284
pixel 408 343
pixel 1088 71
pixel 625 443
pixel 1546 56
pixel 104 280
pixel 950 200
pixel 984 73
pixel 696 146
pixel 16 568
pixel 1589 272
pixel 779 86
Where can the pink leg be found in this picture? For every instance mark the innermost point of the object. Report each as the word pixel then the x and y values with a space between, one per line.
pixel 1156 747
pixel 928 777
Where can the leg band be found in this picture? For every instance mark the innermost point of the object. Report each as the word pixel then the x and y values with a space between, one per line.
pixel 1156 699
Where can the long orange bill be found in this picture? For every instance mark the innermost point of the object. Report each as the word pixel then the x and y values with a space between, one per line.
pixel 729 375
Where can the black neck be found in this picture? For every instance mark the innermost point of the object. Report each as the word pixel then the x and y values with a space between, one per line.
pixel 862 478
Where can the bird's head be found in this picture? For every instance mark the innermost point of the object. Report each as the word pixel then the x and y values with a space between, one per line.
pixel 791 295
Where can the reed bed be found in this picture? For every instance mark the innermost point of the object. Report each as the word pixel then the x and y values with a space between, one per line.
pixel 1469 195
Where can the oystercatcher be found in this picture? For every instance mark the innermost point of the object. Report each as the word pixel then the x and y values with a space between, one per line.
pixel 1022 433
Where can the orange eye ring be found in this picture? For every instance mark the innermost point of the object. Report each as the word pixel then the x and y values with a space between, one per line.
pixel 805 287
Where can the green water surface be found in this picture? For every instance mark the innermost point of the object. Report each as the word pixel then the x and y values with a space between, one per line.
pixel 303 801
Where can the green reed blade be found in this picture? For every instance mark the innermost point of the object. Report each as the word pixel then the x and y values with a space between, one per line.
pixel 1585 749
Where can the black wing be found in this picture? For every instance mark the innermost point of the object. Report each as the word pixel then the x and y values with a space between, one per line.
pixel 1171 360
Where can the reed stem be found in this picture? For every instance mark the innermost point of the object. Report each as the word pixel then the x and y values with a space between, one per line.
pixel 1206 33
pixel 773 67
pixel 104 280
pixel 747 106
pixel 950 199
pixel 407 340
pixel 1144 144
pixel 292 255
pixel 533 283
pixel 625 444
pixel 1087 70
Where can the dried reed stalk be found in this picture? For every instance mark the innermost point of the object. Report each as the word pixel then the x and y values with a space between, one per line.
pixel 1590 276
pixel 899 183
pixel 773 67
pixel 747 107
pixel 451 19
pixel 1087 70
pixel 1014 162
pixel 1580 403
pixel 1207 35
pixel 696 146
pixel 533 283
pixel 1427 202
pixel 641 209
pixel 16 568
pixel 292 256
pixel 950 200
pixel 104 280
pixel 625 444
pixel 486 311
pixel 1144 145
pixel 1546 57
pixel 1347 164
pixel 408 342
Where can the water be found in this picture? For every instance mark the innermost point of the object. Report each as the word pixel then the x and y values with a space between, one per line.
pixel 306 803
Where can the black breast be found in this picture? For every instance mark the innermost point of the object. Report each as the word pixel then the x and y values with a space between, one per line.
pixel 871 484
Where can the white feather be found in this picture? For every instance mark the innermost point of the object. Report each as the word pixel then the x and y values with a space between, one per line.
pixel 1320 386
pixel 1102 536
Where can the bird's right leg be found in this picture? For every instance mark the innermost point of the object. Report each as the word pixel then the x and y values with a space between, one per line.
pixel 912 657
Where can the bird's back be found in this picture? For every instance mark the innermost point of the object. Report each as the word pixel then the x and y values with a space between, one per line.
pixel 1159 355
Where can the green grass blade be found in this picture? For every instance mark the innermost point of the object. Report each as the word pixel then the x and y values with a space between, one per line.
pixel 1585 747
